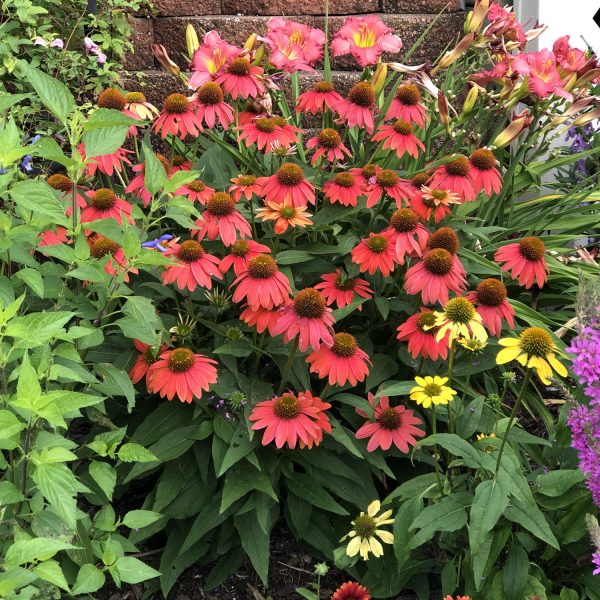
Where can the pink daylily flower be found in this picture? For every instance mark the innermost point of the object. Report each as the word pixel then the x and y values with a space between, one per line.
pixel 210 59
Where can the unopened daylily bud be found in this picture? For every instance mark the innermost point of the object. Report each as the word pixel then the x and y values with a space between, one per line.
pixel 587 77
pixel 453 55
pixel 161 55
pixel 568 85
pixel 512 131
pixel 191 40
pixel 476 17
pixel 443 109
pixel 258 55
pixel 586 118
pixel 250 42
pixel 379 77
pixel 470 100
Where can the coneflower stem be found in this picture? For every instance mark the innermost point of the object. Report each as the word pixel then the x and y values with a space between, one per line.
pixel 288 366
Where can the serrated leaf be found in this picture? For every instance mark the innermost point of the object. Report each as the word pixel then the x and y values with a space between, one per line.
pixel 38 198
pixel 40 548
pixel 89 580
pixel 50 571
pixel 33 279
pixel 136 519
pixel 105 476
pixel 133 570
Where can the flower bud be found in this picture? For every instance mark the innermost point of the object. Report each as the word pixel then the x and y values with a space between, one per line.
pixel 453 55
pixel 161 55
pixel 250 42
pixel 470 100
pixel 443 109
pixel 512 131
pixel 475 18
pixel 191 40
pixel 258 55
pixel 379 78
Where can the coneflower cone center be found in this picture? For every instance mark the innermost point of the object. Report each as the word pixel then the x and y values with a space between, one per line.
pixel 329 138
pixel 445 238
pixel 164 161
pixel 536 342
pixel 389 419
pixel 262 267
pixel 196 185
pixel 190 251
pixel 323 87
pixel 438 194
pixel 404 220
pixel 344 344
pixel 176 104
pixel 290 174
pixel 240 248
pixel 490 292
pixel 459 166
pixel 288 212
pixel 111 98
pixel 365 526
pixel 345 180
pixel 246 180
pixel 181 360
pixel 265 124
pixel 432 389
pixel 459 310
pixel 220 204
pixel 438 261
pixel 150 356
pixel 386 178
pixel 369 170
pixel 60 182
pixel 309 303
pixel 178 160
pixel 210 93
pixel 104 199
pixel 287 407
pixel 103 247
pixel 362 94
pixel 402 127
pixel 483 159
pixel 135 98
pixel 345 284
pixel 377 243
pixel 420 179
pixel 532 248
pixel 426 322
pixel 239 67
pixel 408 94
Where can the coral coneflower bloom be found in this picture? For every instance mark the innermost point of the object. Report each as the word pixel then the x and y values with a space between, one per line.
pixel 104 204
pixel 490 299
pixel 525 261
pixel 407 234
pixel 439 273
pixel 358 109
pixel 262 284
pixel 288 183
pixel 328 144
pixel 399 137
pixel 459 319
pixel 342 362
pixel 221 220
pixel 343 188
pixel 457 177
pixel 351 591
pixel 287 419
pixel 366 528
pixel 366 175
pixel 116 263
pixel 420 331
pixel 193 266
pixel 209 106
pixel 181 373
pixel 262 318
pixel 431 390
pixel 322 420
pixel 484 173
pixel 52 237
pixel 244 185
pixel 534 349
pixel 111 98
pixel 241 79
pixel 64 184
pixel 322 96
pixel 365 38
pixel 375 252
pixel 180 163
pixel 393 425
pixel 407 106
pixel 307 318
pixel 267 133
pixel 284 215
pixel 195 191
pixel 416 184
pixel 148 356
pixel 388 182
pixel 105 163
pixel 340 290
pixel 136 103
pixel 241 252
pixel 446 238
pixel 433 202
pixel 177 118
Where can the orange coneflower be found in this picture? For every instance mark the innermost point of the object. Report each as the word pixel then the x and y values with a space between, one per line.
pixel 262 318
pixel 193 266
pixel 148 356
pixel 376 252
pixel 221 220
pixel 343 188
pixel 328 144
pixel 490 300
pixel 399 137
pixel 408 236
pixel 288 183
pixel 177 118
pixel 484 173
pixel 105 163
pixel 407 106
pixel 456 176
pixel 388 182
pixel 241 252
pixel 241 79
pixel 136 103
pixel 268 133
pixel 358 108
pixel 105 204
pixel 340 289
pixel 209 106
pixel 322 95
pixel 351 591
pixel 420 331
pixel 195 190
pixel 525 261
pixel 284 215
pixel 244 185
pixel 433 202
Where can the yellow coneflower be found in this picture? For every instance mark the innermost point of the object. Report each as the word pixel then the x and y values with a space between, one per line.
pixel 460 318
pixel 366 530
pixel 472 344
pixel 431 390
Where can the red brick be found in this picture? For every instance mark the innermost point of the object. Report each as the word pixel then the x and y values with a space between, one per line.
pixel 142 37
pixel 420 6
pixel 298 7
pixel 183 8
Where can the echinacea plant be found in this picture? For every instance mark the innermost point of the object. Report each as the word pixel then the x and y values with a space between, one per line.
pixel 266 308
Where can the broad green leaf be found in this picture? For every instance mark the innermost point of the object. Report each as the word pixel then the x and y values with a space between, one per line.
pixel 10 427
pixel 114 382
pixel 105 130
pixel 132 452
pixel 556 483
pixel 394 388
pixel 33 279
pixel 50 571
pixel 89 580
pixel 514 574
pixel 105 476
pixel 9 494
pixel 13 578
pixel 136 519
pixel 405 515
pixel 457 447
pixel 141 321
pixel 255 542
pixel 531 518
pixel 155 176
pixel 133 570
pixel 39 548
pixel 488 505
pixel 58 485
pixel 38 198
pixel 383 368
pixel 242 479
pixel 303 487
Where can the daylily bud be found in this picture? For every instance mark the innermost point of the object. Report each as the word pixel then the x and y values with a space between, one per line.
pixel 512 131
pixel 191 40
pixel 476 17
pixel 258 55
pixel 250 42
pixel 470 100
pixel 586 118
pixel 443 109
pixel 453 55
pixel 161 55
pixel 568 86
pixel 587 77
pixel 379 77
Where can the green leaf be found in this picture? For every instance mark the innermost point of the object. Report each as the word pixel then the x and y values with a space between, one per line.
pixel 514 574
pixel 405 515
pixel 132 452
pixel 140 321
pixel 457 447
pixel 9 494
pixel 304 487
pixel 10 427
pixel 133 570
pixel 155 176
pixel 8 101
pixel 530 517
pixel 105 476
pixel 488 505
pixel 89 580
pixel 55 95
pixel 50 571
pixel 58 485
pixel 38 198
pixel 255 542
pixel 33 279
pixel 40 548
pixel 383 368
pixel 136 519
pixel 104 131
pixel 115 382
pixel 558 482
pixel 394 388
pixel 241 480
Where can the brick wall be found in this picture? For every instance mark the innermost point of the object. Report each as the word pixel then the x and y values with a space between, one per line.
pixel 235 20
